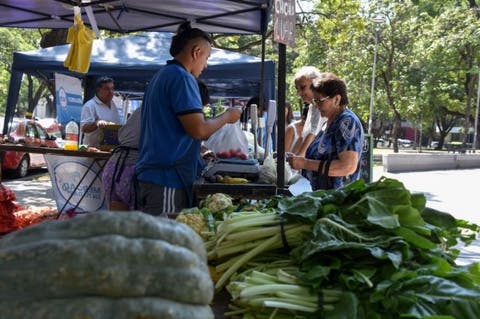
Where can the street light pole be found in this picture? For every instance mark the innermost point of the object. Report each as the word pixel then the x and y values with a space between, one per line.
pixel 377 20
pixel 475 126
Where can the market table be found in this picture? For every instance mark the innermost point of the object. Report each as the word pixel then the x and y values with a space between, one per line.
pixel 74 175
pixel 202 189
pixel 49 150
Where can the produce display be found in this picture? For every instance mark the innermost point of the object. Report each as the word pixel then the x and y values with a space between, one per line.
pixel 7 208
pixel 363 251
pixel 105 265
pixel 33 215
pixel 14 216
pixel 232 153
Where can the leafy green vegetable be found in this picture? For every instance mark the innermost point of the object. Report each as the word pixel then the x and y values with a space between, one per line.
pixel 382 243
pixel 394 256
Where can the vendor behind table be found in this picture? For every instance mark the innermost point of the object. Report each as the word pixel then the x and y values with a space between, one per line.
pixel 173 125
pixel 99 112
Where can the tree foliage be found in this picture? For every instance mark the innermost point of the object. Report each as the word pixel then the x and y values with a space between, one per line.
pixel 13 40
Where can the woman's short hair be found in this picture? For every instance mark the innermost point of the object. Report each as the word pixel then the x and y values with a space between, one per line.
pixel 185 33
pixel 331 85
pixel 308 72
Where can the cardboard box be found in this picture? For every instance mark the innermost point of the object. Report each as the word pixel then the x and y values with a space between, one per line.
pixel 109 137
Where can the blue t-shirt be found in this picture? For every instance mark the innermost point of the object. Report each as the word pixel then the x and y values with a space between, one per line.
pixel 173 91
pixel 346 132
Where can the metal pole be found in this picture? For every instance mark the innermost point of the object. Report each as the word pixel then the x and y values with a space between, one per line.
pixel 372 89
pixel 282 62
pixel 475 126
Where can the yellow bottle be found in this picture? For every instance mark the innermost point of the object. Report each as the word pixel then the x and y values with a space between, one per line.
pixel 71 136
pixel 70 146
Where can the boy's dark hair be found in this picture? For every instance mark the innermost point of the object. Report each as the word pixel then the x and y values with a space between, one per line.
pixel 185 33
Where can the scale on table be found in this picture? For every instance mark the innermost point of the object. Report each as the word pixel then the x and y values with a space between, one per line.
pixel 233 167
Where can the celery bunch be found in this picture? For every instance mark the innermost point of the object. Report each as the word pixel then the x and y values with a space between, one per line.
pixel 272 291
pixel 244 235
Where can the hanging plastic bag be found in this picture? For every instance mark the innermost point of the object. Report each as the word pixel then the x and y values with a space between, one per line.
pixel 268 171
pixel 81 39
pixel 228 142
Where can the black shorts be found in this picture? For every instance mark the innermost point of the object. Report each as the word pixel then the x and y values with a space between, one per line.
pixel 158 200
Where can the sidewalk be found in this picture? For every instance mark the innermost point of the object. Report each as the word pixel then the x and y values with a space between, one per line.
pixel 33 190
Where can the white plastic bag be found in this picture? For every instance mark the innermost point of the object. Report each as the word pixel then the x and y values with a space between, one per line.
pixel 268 171
pixel 228 142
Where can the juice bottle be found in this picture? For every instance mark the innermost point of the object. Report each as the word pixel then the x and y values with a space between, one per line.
pixel 71 136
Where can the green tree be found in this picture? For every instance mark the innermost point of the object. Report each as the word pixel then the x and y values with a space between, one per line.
pixel 13 40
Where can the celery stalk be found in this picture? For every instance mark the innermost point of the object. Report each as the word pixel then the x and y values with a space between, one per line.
pixel 273 288
pixel 289 306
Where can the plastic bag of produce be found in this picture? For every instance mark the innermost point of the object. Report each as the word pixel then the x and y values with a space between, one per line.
pixel 268 171
pixel 228 142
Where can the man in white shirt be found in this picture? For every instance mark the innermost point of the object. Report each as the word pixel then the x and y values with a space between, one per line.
pixel 99 112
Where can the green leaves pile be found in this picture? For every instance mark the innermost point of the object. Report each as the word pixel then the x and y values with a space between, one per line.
pixel 383 244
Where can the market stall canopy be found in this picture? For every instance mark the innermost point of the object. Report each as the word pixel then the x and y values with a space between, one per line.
pixel 215 16
pixel 132 61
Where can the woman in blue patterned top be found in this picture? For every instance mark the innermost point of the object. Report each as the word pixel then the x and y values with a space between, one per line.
pixel 333 158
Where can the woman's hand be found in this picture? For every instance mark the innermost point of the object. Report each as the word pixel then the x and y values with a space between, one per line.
pixel 296 162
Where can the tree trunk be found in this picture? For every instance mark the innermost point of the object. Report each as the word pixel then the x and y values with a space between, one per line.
pixel 397 123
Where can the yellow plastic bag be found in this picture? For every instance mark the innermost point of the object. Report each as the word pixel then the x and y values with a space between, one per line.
pixel 81 39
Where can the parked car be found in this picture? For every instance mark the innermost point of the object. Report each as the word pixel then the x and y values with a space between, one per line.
pixel 51 125
pixel 404 143
pixel 54 128
pixel 29 133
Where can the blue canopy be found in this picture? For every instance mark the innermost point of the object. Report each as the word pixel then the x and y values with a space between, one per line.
pixel 133 60
pixel 215 16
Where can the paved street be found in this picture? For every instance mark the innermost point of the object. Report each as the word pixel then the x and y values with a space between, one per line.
pixel 452 191
pixel 33 190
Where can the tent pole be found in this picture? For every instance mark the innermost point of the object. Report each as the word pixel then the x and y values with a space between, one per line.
pixel 89 88
pixel 282 61
pixel 261 95
pixel 12 98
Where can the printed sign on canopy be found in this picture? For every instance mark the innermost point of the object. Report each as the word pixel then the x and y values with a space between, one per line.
pixel 284 22
pixel 68 91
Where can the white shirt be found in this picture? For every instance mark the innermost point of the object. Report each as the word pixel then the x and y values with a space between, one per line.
pixel 314 122
pixel 94 110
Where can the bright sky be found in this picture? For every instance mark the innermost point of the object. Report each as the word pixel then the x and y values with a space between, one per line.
pixel 306 5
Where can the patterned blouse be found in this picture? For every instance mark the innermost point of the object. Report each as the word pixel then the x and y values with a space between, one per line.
pixel 345 133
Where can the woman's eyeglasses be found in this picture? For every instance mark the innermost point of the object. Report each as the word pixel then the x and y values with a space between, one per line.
pixel 320 101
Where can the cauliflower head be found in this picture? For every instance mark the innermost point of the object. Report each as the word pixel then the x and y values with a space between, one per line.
pixel 194 221
pixel 218 202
